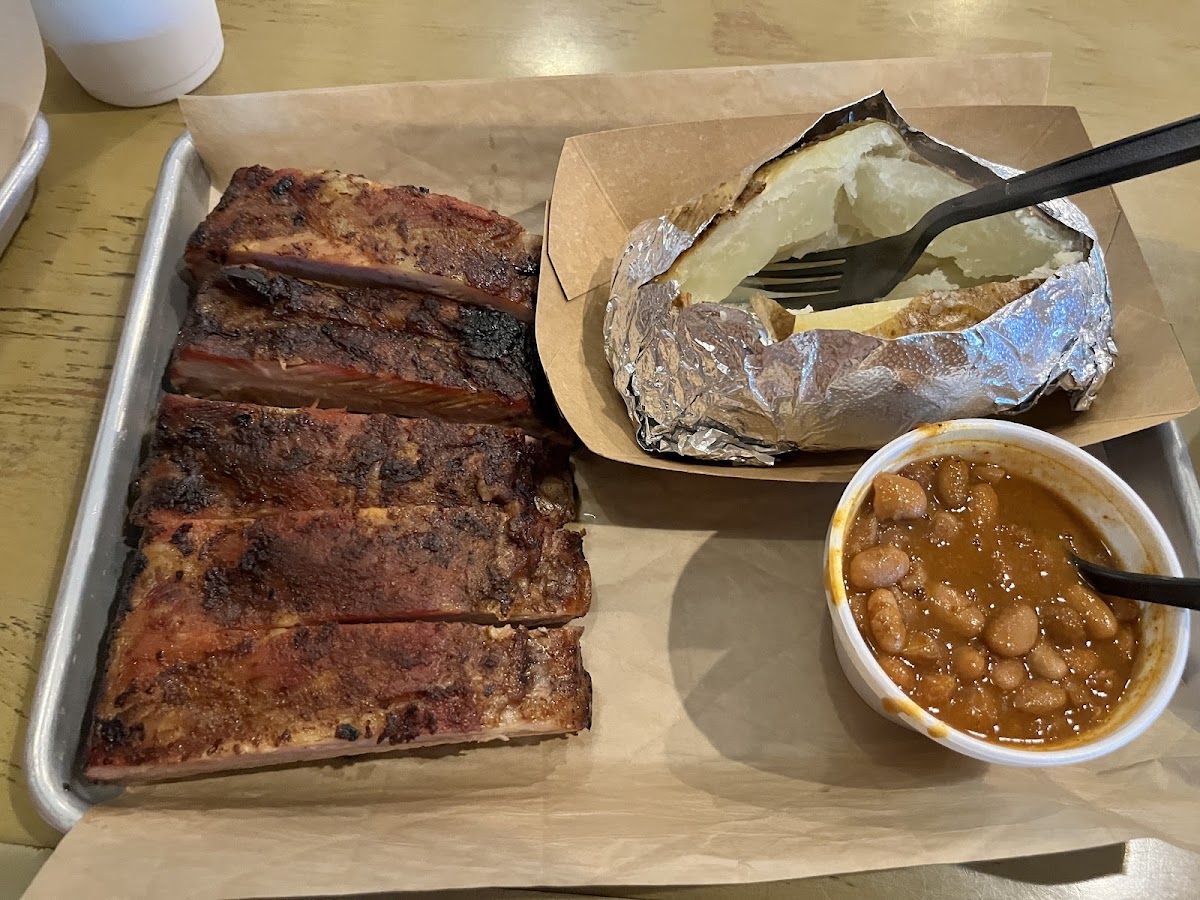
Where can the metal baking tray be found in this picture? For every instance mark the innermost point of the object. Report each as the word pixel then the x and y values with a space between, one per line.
pixel 1155 462
pixel 16 190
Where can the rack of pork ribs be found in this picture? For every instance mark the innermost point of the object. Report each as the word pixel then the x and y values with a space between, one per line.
pixel 355 510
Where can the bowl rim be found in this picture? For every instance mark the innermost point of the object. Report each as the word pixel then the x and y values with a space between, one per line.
pixel 892 699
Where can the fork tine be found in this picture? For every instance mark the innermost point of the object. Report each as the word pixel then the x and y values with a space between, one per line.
pixel 788 269
pixel 803 288
pixel 837 254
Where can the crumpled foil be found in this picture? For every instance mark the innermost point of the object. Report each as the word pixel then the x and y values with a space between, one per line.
pixel 702 381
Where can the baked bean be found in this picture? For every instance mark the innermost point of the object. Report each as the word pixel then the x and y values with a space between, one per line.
pixel 1045 661
pixel 898 498
pixel 1126 641
pixel 858 609
pixel 923 647
pixel 1064 625
pixel 968 662
pixel 951 481
pixel 1124 609
pixel 1103 681
pixel 1098 619
pixel 1081 661
pixel 945 526
pixel 909 610
pixel 935 689
pixel 983 504
pixel 1040 698
pixel 877 567
pixel 1012 630
pixel 988 473
pixel 1077 693
pixel 899 671
pixel 921 473
pixel 863 533
pixel 980 705
pixel 954 611
pixel 1008 674
pixel 959 577
pixel 885 621
pixel 916 578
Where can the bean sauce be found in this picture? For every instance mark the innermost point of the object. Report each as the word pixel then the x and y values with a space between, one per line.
pixel 960 580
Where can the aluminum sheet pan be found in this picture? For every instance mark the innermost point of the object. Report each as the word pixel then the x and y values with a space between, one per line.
pixel 1155 462
pixel 16 191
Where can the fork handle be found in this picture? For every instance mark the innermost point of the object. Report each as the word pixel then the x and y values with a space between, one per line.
pixel 1141 154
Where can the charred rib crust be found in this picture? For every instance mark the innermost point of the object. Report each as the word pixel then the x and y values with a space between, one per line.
pixel 479 564
pixel 211 459
pixel 481 332
pixel 228 349
pixel 353 228
pixel 201 701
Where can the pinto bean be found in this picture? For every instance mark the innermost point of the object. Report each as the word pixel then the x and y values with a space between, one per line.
pixel 951 481
pixel 1081 661
pixel 916 578
pixel 1046 662
pixel 988 473
pixel 980 704
pixel 924 648
pixel 983 505
pixel 1103 681
pixel 969 663
pixel 1098 619
pixel 898 498
pixel 909 610
pixel 896 536
pixel 945 526
pixel 1040 697
pixel 954 611
pixel 1126 641
pixel 1008 674
pixel 878 567
pixel 899 671
pixel 935 689
pixel 1077 692
pixel 1012 630
pixel 863 533
pixel 1124 609
pixel 1064 625
pixel 885 621
pixel 920 472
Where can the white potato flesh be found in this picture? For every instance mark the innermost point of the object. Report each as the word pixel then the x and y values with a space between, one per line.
pixel 862 184
pixel 797 205
pixel 893 194
pixel 861 317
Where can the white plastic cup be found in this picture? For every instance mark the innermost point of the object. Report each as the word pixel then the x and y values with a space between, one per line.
pixel 1122 519
pixel 134 52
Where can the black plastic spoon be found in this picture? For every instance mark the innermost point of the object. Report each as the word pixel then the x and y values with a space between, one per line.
pixel 1167 590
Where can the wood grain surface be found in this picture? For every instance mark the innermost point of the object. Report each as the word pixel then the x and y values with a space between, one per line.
pixel 65 279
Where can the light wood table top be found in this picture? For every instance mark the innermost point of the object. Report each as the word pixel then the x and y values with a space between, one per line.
pixel 64 282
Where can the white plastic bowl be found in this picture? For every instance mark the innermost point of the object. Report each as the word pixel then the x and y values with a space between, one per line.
pixel 1135 537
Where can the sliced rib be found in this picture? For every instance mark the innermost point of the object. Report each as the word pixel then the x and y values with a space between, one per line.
pixel 477 564
pixel 211 459
pixel 484 333
pixel 345 229
pixel 208 701
pixel 232 350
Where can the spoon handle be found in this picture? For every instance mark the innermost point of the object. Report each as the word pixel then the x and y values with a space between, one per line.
pixel 1166 590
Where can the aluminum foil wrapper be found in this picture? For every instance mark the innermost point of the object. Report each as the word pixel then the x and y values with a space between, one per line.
pixel 702 381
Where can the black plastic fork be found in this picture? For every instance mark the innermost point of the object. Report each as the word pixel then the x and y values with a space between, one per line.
pixel 829 279
pixel 1168 590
